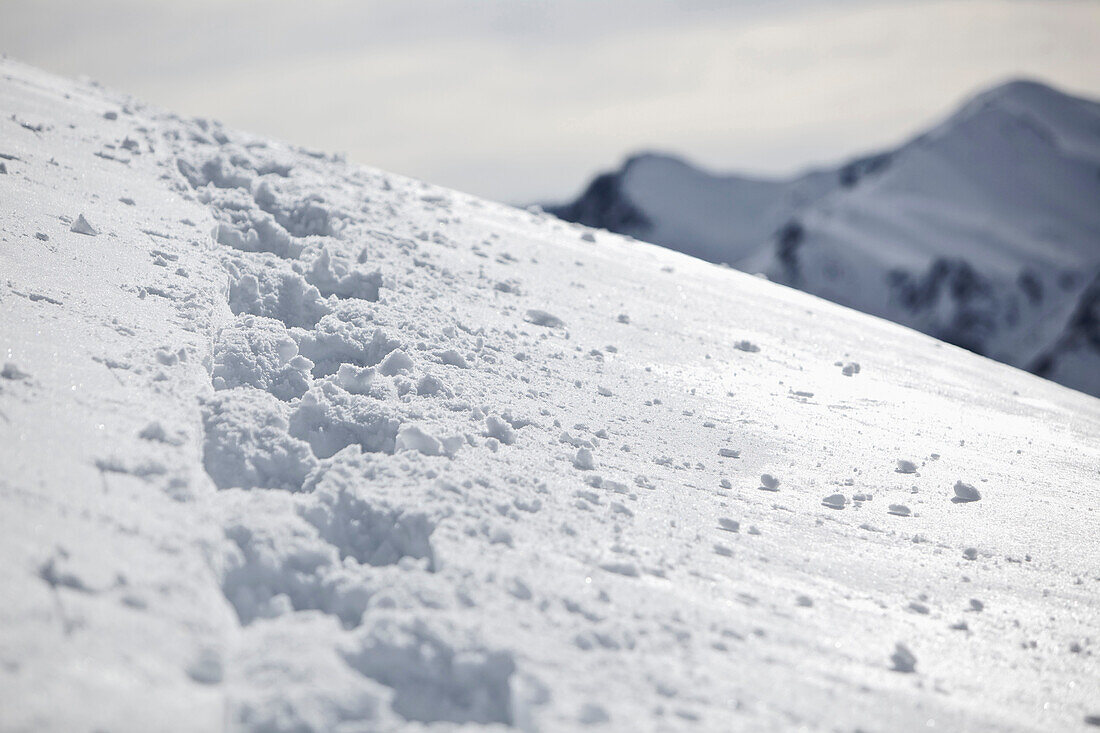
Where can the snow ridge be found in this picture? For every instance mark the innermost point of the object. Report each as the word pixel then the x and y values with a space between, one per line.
pixel 292 444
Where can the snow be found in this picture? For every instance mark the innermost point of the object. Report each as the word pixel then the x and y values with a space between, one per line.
pixel 270 462
pixel 983 231
pixel 965 492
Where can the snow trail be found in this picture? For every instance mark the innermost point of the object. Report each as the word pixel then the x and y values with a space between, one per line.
pixel 296 444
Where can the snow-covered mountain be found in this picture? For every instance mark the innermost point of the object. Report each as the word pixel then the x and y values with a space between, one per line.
pixel 289 444
pixel 984 232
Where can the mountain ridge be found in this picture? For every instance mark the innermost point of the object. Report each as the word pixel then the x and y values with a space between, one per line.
pixel 982 231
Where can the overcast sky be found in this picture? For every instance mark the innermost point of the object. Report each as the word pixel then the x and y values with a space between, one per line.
pixel 524 100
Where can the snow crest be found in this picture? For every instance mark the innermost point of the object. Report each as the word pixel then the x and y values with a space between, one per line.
pixel 292 444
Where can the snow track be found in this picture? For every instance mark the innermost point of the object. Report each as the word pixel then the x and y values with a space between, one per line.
pixel 291 444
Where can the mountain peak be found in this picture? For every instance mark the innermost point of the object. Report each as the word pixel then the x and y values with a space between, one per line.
pixel 1022 88
pixel 1031 97
pixel 655 157
pixel 981 232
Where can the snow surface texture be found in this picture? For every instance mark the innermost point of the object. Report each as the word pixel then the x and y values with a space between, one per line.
pixel 984 232
pixel 290 444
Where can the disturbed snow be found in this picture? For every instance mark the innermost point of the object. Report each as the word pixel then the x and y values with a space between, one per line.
pixel 292 444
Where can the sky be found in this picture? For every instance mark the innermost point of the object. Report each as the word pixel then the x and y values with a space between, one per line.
pixel 524 100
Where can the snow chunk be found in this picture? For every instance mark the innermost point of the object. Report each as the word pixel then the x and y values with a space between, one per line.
pixel 255 231
pixel 216 171
pixel 284 296
pixel 413 438
pixel 542 318
pixel 258 352
pixel 903 659
pixel 333 275
pixel 340 339
pixel 81 226
pixel 906 466
pixel 356 380
pixel 429 385
pixel 628 569
pixel 452 358
pixel 965 493
pixel 308 216
pixel 502 431
pixel 12 371
pixel 155 432
pixel 330 418
pixel 730 525
pixel 398 362
pixel 247 443
pixel 583 460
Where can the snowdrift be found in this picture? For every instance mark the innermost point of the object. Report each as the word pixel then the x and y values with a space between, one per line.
pixel 293 444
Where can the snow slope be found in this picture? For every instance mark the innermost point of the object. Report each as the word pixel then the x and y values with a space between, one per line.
pixel 291 444
pixel 663 199
pixel 984 232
